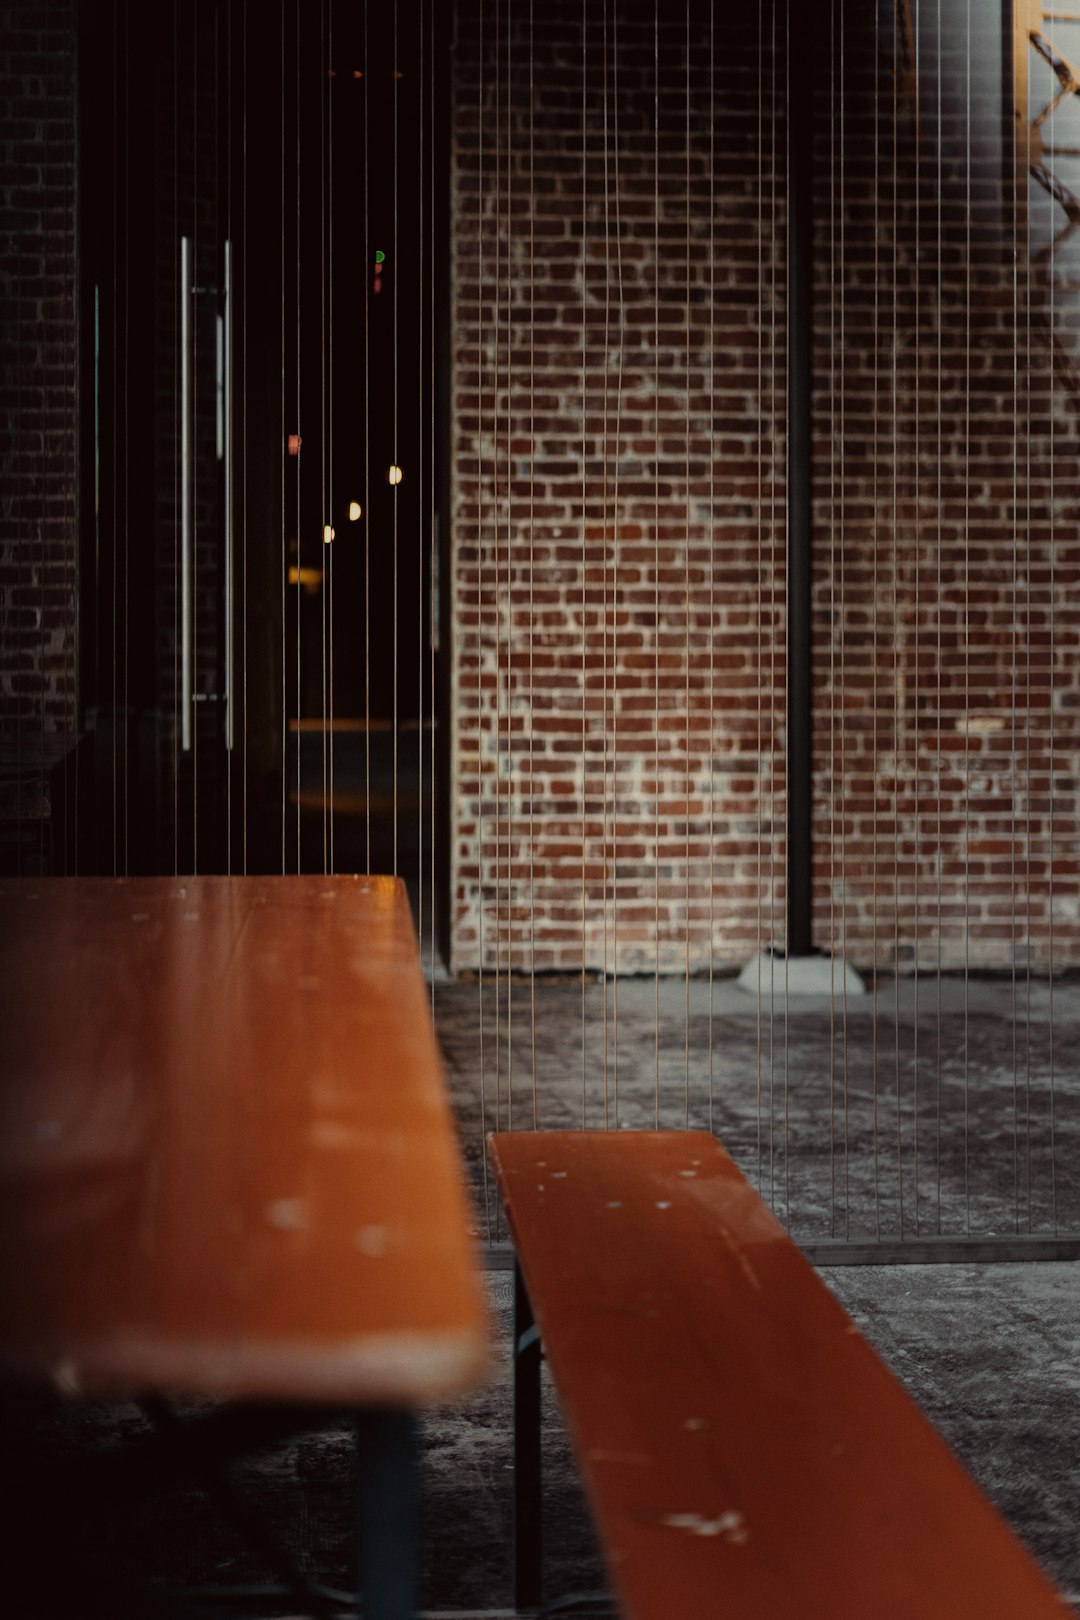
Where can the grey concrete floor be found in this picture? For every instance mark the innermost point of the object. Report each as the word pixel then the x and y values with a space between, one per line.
pixel 980 1132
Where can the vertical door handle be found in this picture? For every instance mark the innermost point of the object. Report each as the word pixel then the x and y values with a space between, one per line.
pixel 187 524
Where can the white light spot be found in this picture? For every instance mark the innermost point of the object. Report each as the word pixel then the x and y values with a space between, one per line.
pixel 558 1175
pixel 688 1173
pixel 730 1525
pixel 373 1241
pixel 663 1203
pixel 65 1377
pixel 287 1214
pixel 615 1203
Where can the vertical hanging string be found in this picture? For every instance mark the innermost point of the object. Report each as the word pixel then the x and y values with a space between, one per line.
pixel 1052 780
pixel 875 587
pixel 656 549
pixel 939 343
pixel 71 814
pixel 710 104
pixel 114 390
pixel 478 631
pixel 1013 204
pixel 779 88
pixel 968 158
pixel 616 542
pixel 915 706
pixel 1028 728
pixel 686 592
pixel 836 791
pixel 774 614
pixel 762 574
pixel 227 428
pixel 395 283
pixel 243 425
pixel 284 520
pixel 176 407
pixel 324 447
pixel 299 462
pixel 46 174
pixel 422 472
pixel 329 82
pixel 584 531
pixel 842 521
pixel 510 775
pixel 433 179
pixel 898 704
pixel 126 452
pixel 532 563
pixel 607 527
pixel 366 513
pixel 788 677
pixel 496 533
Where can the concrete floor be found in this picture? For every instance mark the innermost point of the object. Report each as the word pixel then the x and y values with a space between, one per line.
pixel 991 1352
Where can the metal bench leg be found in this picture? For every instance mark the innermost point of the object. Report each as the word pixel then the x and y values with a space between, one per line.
pixel 527 1492
pixel 388 1524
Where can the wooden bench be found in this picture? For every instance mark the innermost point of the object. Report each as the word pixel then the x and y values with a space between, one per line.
pixel 744 1451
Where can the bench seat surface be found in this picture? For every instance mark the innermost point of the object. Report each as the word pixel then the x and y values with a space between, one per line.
pixel 745 1451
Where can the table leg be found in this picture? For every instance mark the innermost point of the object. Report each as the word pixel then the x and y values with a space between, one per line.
pixel 388 1523
pixel 527 1485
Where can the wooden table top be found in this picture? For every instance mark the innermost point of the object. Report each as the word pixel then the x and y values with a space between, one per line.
pixel 227 1162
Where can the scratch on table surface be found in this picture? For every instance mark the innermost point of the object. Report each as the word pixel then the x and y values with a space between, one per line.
pixel 738 1254
pixel 731 1525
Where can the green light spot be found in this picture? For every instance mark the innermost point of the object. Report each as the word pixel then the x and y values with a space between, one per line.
pixel 380 256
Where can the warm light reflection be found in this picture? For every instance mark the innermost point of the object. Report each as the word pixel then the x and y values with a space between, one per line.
pixel 309 579
pixel 327 534
pixel 394 475
pixel 354 511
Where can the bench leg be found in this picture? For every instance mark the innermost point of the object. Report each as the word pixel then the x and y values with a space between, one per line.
pixel 388 1523
pixel 527 1489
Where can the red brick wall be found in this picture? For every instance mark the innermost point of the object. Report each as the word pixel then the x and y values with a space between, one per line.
pixel 38 673
pixel 619 528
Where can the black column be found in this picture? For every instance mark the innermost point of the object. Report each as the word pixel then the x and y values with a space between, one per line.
pixel 800 371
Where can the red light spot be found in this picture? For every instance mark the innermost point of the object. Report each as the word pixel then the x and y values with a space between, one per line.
pixel 295 441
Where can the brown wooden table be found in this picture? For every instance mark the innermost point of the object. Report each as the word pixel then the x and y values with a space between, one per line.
pixel 227 1162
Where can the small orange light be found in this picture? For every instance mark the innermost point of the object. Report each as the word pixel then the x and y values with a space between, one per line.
pixel 354 512
pixel 394 475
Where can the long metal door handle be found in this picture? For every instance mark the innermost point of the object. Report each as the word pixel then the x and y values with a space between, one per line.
pixel 187 527
pixel 227 494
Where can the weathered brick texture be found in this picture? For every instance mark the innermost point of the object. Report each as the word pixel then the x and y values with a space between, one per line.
pixel 619 509
pixel 38 559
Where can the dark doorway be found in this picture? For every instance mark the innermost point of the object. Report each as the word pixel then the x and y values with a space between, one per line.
pixel 259 273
